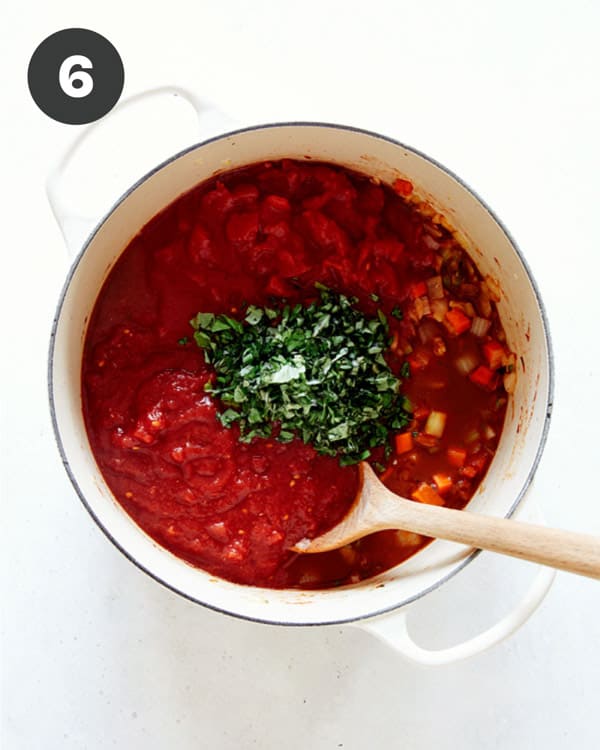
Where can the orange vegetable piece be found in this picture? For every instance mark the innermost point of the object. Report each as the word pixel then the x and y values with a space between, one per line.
pixel 418 360
pixel 494 354
pixel 484 378
pixel 404 442
pixel 456 321
pixel 418 289
pixel 456 456
pixel 443 482
pixel 402 187
pixel 426 494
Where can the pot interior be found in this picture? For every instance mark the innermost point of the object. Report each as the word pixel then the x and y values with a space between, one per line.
pixel 490 247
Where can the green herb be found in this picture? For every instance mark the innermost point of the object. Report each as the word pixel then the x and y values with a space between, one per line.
pixel 183 341
pixel 375 297
pixel 397 313
pixel 317 372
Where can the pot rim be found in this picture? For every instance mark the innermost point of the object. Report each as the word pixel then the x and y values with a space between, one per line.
pixel 335 126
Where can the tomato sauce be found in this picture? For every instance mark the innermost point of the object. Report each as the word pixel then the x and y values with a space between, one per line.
pixel 262 235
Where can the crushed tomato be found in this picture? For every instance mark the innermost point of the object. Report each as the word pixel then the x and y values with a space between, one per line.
pixel 261 235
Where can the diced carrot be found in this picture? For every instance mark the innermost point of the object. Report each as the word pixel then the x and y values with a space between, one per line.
pixel 426 494
pixel 494 353
pixel 484 378
pixel 456 321
pixel 436 422
pixel 418 360
pixel 404 442
pixel 418 289
pixel 443 482
pixel 468 471
pixel 402 187
pixel 395 341
pixel 456 456
pixel 477 464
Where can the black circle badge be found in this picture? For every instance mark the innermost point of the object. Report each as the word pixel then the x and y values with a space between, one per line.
pixel 75 76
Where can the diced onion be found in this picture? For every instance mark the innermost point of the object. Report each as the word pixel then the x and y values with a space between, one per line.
pixel 480 326
pixel 408 538
pixel 430 243
pixel 485 306
pixel 436 422
pixel 493 288
pixel 435 288
pixel 428 330
pixel 510 381
pixel 422 307
pixel 472 436
pixel 439 308
pixel 467 362
pixel 488 432
pixel 439 346
pixel 348 554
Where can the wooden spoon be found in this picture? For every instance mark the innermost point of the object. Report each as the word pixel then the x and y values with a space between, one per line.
pixel 376 508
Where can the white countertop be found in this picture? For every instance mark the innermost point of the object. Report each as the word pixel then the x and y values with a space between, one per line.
pixel 97 655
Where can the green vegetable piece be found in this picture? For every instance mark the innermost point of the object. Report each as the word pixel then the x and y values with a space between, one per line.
pixel 317 372
pixel 253 315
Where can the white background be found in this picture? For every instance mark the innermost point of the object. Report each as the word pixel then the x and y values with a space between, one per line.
pixel 97 655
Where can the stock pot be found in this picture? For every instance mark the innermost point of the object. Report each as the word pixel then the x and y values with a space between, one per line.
pixel 508 480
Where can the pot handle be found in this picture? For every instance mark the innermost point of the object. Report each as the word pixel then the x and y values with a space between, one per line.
pixel 75 228
pixel 393 629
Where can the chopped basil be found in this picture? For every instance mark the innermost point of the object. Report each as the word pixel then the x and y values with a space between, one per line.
pixel 397 313
pixel 183 341
pixel 317 372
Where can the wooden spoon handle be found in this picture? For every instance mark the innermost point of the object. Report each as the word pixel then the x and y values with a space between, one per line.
pixel 565 550
pixel 376 508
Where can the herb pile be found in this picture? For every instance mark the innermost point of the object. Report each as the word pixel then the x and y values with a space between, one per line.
pixel 316 372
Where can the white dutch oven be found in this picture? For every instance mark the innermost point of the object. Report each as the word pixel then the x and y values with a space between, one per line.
pixel 504 487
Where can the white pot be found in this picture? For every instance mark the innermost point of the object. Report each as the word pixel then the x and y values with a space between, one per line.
pixel 520 309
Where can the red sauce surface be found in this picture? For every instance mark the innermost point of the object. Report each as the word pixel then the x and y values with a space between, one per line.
pixel 258 236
